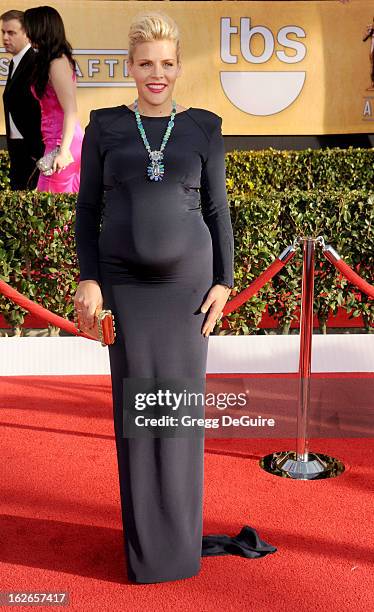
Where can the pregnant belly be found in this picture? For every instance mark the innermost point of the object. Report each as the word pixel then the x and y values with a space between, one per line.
pixel 159 239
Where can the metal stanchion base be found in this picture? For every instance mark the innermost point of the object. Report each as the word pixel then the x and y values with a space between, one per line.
pixel 317 466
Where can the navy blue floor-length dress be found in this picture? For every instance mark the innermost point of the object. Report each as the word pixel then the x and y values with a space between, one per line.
pixel 156 248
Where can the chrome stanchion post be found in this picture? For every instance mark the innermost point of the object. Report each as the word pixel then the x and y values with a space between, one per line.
pixel 306 332
pixel 302 464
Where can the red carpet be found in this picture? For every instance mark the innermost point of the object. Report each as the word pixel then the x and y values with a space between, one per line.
pixel 61 526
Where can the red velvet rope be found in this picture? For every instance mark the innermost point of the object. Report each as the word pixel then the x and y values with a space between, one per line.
pixel 39 311
pixel 350 274
pixel 255 286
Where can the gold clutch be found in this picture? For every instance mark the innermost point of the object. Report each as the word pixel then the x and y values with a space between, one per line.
pixel 103 328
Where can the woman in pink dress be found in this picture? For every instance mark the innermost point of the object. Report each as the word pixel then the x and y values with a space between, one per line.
pixel 54 85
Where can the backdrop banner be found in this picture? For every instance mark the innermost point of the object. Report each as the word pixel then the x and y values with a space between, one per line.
pixel 268 68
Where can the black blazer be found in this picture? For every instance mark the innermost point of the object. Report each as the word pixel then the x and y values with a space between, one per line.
pixel 24 108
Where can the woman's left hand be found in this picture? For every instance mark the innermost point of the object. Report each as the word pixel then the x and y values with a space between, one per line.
pixel 63 159
pixel 216 299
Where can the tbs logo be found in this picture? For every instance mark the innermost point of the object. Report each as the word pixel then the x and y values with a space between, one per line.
pixel 261 92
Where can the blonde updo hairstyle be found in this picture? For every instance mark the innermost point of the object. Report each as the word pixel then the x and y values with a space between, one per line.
pixel 151 26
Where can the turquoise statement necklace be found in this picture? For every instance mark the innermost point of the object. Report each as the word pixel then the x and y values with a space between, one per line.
pixel 156 168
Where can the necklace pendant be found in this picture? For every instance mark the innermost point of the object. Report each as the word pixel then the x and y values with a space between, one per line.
pixel 156 168
pixel 155 171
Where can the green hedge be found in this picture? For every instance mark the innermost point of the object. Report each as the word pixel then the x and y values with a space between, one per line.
pixel 255 171
pixel 4 170
pixel 37 251
pixel 264 226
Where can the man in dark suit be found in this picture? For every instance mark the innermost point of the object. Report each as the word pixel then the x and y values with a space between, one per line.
pixel 22 110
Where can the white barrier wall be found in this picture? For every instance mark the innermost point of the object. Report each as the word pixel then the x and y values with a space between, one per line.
pixel 227 354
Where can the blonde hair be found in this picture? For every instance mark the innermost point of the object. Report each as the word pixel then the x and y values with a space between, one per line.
pixel 150 26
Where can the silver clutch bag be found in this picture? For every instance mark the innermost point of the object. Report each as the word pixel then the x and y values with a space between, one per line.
pixel 45 163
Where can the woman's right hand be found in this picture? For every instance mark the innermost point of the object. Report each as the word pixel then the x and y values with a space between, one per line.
pixel 87 299
pixel 62 160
